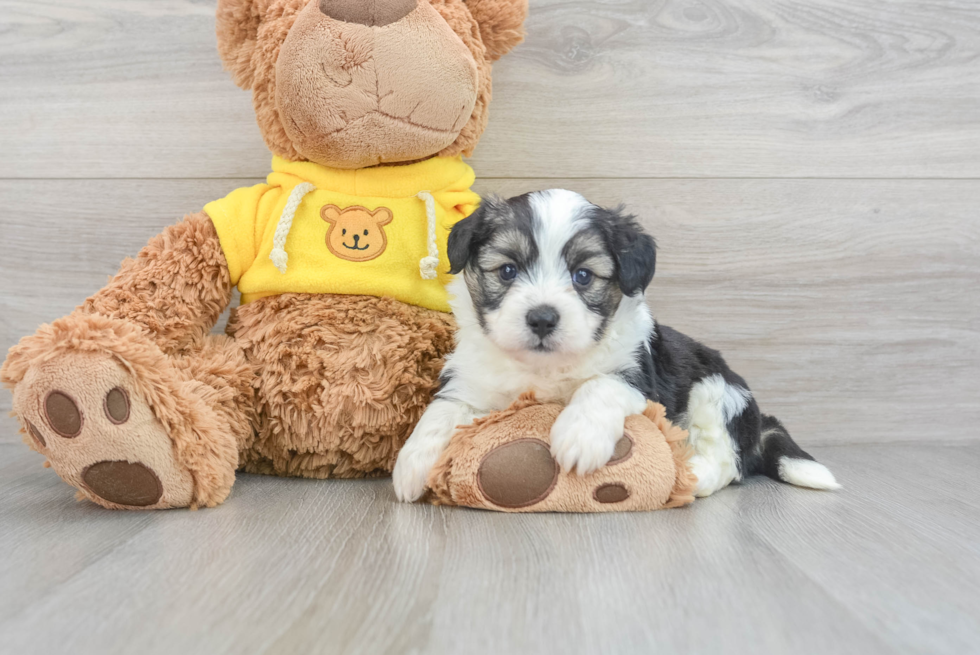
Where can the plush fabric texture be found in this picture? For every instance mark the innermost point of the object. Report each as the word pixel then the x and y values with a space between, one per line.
pixel 131 398
pixel 341 380
pixel 187 431
pixel 355 96
pixel 176 288
pixel 501 24
pixel 650 470
pixel 318 260
pixel 379 127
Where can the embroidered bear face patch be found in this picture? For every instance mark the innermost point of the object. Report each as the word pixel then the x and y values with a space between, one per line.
pixel 356 233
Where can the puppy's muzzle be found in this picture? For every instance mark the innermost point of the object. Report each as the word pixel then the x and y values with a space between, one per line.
pixel 543 320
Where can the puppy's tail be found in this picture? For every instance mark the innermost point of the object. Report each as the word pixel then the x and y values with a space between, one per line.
pixel 783 460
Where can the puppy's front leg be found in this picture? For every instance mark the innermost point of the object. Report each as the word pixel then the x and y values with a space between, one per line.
pixel 428 440
pixel 586 432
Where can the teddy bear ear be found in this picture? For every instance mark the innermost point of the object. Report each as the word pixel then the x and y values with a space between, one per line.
pixel 330 213
pixel 501 24
pixel 250 33
pixel 382 215
pixel 237 25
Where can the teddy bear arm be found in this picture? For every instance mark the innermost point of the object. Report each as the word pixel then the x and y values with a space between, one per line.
pixel 175 288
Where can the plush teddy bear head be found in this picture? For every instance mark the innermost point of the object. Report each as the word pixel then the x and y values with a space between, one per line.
pixel 356 83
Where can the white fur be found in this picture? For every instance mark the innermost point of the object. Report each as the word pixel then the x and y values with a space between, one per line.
pixel 428 440
pixel 711 404
pixel 807 473
pixel 491 369
pixel 491 378
pixel 585 434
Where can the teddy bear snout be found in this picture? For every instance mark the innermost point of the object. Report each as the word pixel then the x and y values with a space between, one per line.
pixel 351 95
pixel 373 13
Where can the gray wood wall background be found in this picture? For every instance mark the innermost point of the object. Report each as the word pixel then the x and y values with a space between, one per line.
pixel 811 171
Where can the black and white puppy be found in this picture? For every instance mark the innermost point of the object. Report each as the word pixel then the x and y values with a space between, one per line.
pixel 551 299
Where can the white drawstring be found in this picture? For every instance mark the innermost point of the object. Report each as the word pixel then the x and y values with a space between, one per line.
pixel 429 265
pixel 278 254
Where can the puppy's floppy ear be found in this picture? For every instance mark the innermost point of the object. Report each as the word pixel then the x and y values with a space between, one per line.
pixel 463 238
pixel 634 250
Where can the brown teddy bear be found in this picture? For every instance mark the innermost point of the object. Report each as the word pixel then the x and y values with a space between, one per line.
pixel 333 354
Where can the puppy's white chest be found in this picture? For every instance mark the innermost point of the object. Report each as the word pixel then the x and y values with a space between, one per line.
pixel 554 391
pixel 505 389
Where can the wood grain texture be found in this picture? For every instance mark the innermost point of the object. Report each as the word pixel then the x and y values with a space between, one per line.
pixel 890 564
pixel 851 307
pixel 612 88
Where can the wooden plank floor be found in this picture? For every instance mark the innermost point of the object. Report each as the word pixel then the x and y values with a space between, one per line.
pixel 891 564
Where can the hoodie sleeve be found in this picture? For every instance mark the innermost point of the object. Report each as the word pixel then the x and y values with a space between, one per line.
pixel 235 219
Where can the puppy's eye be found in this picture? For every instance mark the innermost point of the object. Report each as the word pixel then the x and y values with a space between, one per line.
pixel 582 277
pixel 507 272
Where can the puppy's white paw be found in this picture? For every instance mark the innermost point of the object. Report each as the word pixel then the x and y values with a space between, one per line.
pixel 707 474
pixel 411 471
pixel 584 441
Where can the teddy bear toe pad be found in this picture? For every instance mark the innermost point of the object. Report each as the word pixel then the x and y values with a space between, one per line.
pixel 123 483
pixel 82 411
pixel 611 493
pixel 518 474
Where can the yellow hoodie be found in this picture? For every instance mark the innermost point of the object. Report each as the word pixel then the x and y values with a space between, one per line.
pixel 373 231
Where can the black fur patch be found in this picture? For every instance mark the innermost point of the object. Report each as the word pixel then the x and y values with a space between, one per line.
pixel 634 251
pixel 674 363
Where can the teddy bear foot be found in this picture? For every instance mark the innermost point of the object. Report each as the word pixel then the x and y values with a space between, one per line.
pixel 503 462
pixel 85 413
pixel 127 425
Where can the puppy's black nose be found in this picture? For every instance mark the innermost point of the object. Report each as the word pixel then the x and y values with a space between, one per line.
pixel 543 320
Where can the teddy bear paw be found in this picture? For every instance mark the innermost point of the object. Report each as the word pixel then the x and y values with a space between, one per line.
pixel 84 412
